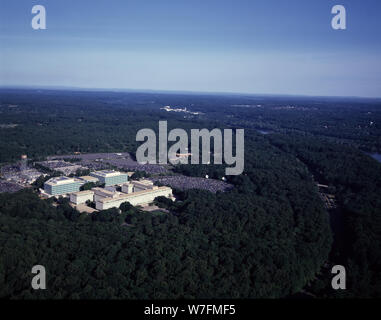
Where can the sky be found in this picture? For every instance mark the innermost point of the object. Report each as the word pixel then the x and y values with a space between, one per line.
pixel 248 46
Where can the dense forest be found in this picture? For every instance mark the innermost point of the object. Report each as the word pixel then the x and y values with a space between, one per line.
pixel 49 122
pixel 269 236
pixel 356 181
pixel 266 238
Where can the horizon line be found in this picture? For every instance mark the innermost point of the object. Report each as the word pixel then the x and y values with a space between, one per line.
pixel 190 92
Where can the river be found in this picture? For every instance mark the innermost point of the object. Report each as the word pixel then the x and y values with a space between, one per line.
pixel 376 156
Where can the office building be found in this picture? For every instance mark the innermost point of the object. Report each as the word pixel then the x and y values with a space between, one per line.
pixel 87 179
pixel 101 193
pixel 82 196
pixel 110 177
pixel 128 188
pixel 136 186
pixel 143 197
pixel 143 185
pixel 62 185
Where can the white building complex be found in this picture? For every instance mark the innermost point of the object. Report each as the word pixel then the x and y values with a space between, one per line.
pixel 136 193
pixel 82 196
pixel 101 193
pixel 62 185
pixel 110 177
pixel 141 192
pixel 140 186
pixel 135 198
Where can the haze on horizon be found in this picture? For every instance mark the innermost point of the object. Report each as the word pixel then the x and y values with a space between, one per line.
pixel 269 47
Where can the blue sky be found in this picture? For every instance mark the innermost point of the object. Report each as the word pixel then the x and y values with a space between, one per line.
pixel 250 46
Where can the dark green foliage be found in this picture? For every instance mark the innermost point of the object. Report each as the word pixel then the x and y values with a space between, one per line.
pixel 163 202
pixel 139 175
pixel 56 123
pixel 82 172
pixel 39 183
pixel 355 179
pixel 108 215
pixel 88 186
pixel 126 207
pixel 266 238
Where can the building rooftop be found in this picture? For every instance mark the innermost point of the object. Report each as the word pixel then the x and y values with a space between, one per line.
pixel 89 178
pixel 83 193
pixel 133 195
pixel 143 182
pixel 108 173
pixel 61 181
pixel 103 191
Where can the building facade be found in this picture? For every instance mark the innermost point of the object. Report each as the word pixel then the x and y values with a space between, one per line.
pixel 101 193
pixel 135 198
pixel 143 185
pixel 110 177
pixel 128 188
pixel 62 185
pixel 82 196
